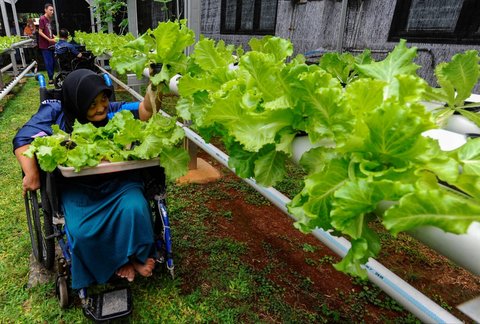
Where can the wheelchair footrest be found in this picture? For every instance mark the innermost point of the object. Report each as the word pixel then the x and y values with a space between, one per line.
pixel 109 305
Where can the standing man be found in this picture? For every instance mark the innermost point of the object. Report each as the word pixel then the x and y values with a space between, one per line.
pixel 47 39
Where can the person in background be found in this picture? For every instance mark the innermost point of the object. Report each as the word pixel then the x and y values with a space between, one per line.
pixel 46 39
pixel 30 28
pixel 63 46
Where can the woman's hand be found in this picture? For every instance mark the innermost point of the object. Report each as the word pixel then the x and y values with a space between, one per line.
pixel 151 103
pixel 31 182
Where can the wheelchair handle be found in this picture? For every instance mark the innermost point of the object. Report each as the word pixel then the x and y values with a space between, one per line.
pixel 41 80
pixel 107 79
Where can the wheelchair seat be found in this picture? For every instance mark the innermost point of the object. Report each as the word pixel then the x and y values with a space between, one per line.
pixel 68 62
pixel 64 61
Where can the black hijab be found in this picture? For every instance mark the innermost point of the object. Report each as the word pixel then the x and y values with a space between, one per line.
pixel 80 88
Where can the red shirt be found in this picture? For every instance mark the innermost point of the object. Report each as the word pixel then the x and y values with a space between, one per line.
pixel 44 25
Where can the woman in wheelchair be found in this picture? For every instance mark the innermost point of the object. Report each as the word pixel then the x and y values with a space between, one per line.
pixel 108 216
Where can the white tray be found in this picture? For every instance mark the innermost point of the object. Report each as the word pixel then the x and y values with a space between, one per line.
pixel 108 167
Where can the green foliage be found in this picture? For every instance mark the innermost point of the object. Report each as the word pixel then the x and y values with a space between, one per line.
pixel 456 79
pixel 365 120
pixel 165 45
pixel 308 248
pixel 100 43
pixel 123 138
pixel 343 65
pixel 7 41
pixel 214 283
pixel 107 10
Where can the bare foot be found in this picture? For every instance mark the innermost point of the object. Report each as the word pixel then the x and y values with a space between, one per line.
pixel 144 269
pixel 127 271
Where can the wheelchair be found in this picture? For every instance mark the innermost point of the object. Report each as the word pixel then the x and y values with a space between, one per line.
pixel 46 225
pixel 67 62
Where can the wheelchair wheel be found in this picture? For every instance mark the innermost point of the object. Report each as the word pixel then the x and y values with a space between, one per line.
pixel 58 79
pixel 40 227
pixel 163 239
pixel 61 289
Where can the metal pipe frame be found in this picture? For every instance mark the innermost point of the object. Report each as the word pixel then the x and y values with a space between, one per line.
pixel 10 86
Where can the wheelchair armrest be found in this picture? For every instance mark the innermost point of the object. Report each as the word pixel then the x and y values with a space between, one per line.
pixel 48 191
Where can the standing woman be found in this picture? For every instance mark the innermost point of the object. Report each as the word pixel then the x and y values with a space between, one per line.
pixel 46 39
pixel 29 29
pixel 108 216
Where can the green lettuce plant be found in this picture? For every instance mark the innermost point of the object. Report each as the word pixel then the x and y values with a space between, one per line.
pixel 365 119
pixel 165 45
pixel 101 43
pixel 124 138
pixel 7 41
pixel 370 113
pixel 456 79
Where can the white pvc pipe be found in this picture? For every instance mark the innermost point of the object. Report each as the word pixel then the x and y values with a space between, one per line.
pixel 12 55
pixel 461 249
pixel 10 86
pixel 411 299
pixel 406 295
pixel 172 84
pixel 448 141
pixel 457 123
pixel 22 43
pixel 6 67
pixel 17 29
pixel 473 98
pixel 120 83
pixel 462 125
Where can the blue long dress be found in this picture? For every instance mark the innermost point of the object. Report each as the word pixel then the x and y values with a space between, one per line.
pixel 107 216
pixel 108 220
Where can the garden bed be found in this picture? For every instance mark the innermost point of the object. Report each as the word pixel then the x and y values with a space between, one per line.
pixel 300 267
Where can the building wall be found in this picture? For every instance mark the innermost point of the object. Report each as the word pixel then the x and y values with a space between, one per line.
pixel 315 27
pixel 210 24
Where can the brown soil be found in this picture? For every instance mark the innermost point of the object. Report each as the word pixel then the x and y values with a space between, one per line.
pixel 272 239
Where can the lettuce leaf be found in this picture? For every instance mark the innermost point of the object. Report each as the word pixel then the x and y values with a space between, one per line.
pixel 123 138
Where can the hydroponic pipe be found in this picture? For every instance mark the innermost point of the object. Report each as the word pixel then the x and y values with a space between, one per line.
pixel 411 299
pixel 461 249
pixel 406 295
pixel 10 86
pixel 457 123
pixel 22 43
pixel 463 125
pixel 172 84
pixel 6 67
